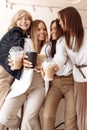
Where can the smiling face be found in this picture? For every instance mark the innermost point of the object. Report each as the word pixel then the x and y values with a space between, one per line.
pixel 22 19
pixel 24 23
pixel 41 32
pixel 54 31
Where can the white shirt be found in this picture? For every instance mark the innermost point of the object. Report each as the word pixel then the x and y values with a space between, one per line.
pixel 79 58
pixel 65 68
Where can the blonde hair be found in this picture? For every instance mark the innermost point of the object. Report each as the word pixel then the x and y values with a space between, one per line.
pixel 34 30
pixel 17 16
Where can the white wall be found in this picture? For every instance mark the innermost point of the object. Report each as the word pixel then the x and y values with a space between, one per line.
pixel 39 13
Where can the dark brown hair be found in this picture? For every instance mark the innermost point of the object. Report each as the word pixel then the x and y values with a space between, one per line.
pixel 60 33
pixel 72 21
pixel 59 29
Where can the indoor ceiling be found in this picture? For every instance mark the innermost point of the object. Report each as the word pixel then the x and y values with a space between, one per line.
pixel 80 4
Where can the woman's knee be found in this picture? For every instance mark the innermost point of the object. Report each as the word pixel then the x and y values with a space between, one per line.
pixel 4 118
pixel 48 116
pixel 9 121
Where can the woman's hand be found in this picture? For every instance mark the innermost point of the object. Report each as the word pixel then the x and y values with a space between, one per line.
pixel 10 62
pixel 37 67
pixel 55 69
pixel 26 63
pixel 42 72
pixel 14 65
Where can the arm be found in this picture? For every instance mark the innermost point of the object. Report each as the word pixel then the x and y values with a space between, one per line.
pixel 61 55
pixel 10 39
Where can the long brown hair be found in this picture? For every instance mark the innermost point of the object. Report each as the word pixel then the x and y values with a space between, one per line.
pixel 59 33
pixel 74 28
pixel 59 29
pixel 34 30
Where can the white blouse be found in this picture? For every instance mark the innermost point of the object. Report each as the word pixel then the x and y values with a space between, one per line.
pixel 65 66
pixel 79 58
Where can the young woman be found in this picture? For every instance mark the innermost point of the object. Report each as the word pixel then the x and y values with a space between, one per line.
pixel 21 90
pixel 75 47
pixel 61 86
pixel 18 30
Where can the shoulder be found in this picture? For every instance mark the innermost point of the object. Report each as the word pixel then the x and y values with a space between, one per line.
pixel 16 29
pixel 16 32
pixel 61 40
pixel 46 46
pixel 28 44
pixel 28 39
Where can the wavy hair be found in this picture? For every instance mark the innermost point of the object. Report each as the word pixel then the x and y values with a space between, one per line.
pixel 17 16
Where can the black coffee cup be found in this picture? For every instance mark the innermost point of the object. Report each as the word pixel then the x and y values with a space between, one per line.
pixel 32 57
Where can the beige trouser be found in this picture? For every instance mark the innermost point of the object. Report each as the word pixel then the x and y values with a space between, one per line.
pixel 34 98
pixel 80 92
pixel 60 87
pixel 5 83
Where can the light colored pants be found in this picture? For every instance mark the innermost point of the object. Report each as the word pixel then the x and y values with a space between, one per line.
pixel 5 83
pixel 34 98
pixel 61 86
pixel 80 93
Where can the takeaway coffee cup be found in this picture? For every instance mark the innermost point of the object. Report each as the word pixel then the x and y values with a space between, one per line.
pixel 48 68
pixel 41 58
pixel 32 57
pixel 16 54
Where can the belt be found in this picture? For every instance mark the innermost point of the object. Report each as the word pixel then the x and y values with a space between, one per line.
pixel 79 68
pixel 62 76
